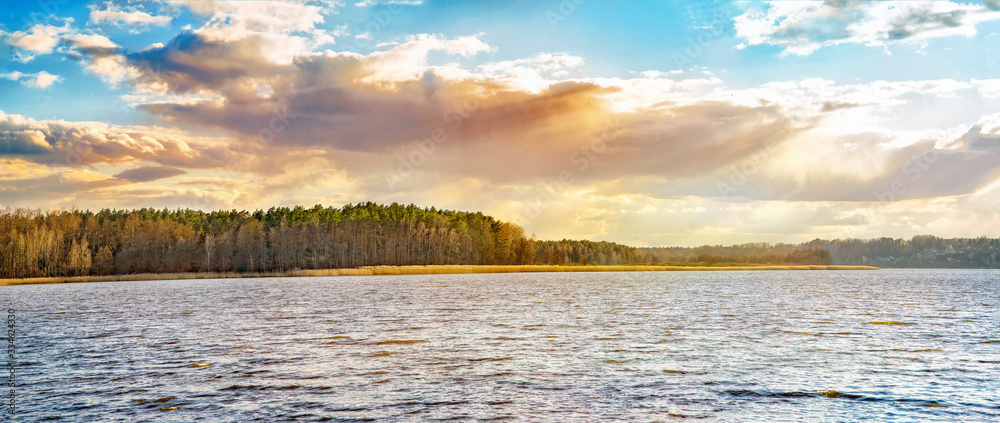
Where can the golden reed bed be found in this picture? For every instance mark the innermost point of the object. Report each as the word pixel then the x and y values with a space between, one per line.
pixel 411 270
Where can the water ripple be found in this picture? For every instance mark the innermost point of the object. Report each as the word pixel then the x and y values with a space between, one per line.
pixel 730 346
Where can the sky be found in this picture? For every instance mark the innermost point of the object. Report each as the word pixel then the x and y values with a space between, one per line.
pixel 647 123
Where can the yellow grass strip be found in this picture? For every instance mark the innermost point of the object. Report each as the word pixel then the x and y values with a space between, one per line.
pixel 410 270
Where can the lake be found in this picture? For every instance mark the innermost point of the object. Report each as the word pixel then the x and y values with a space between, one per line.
pixel 886 345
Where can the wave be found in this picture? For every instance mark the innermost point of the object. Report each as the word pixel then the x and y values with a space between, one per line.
pixel 400 341
pixel 831 394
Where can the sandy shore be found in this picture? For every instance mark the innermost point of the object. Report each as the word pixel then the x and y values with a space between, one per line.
pixel 410 270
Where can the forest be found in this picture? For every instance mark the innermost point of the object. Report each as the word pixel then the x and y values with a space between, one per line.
pixel 110 242
pixel 921 251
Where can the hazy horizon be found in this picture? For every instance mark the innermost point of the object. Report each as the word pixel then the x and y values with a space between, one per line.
pixel 666 124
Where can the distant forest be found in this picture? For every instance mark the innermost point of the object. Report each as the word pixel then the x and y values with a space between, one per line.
pixel 74 243
pixel 921 251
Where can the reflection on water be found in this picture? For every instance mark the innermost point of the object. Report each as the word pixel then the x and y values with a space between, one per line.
pixel 846 345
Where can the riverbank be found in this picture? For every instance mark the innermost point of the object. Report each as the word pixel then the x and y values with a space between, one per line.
pixel 409 270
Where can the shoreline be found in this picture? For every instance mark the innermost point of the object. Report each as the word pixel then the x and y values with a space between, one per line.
pixel 413 270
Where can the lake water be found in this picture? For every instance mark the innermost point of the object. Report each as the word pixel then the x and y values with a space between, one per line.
pixel 889 345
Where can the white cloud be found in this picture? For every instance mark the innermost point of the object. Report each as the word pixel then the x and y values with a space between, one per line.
pixel 13 76
pixel 989 125
pixel 409 59
pixel 39 39
pixel 989 87
pixel 532 74
pixel 43 39
pixel 286 29
pixel 41 79
pixel 113 69
pixel 802 27
pixel 129 16
pixel 230 20
pixel 91 41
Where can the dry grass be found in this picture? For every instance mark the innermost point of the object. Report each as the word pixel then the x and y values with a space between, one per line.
pixel 410 270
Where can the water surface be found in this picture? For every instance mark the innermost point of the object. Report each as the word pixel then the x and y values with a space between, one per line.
pixel 898 345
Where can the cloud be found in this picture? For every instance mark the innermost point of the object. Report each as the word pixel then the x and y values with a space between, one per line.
pixel 130 16
pixel 27 184
pixel 532 74
pixel 314 87
pixel 518 123
pixel 96 52
pixel 802 27
pixel 24 142
pixel 41 79
pixel 522 122
pixel 284 29
pixel 336 99
pixel 61 143
pixel 148 173
pixel 834 160
pixel 13 76
pixel 37 40
pixel 92 42
pixel 230 20
pixel 114 69
pixel 192 63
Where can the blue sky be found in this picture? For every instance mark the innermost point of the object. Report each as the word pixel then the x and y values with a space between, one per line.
pixel 651 123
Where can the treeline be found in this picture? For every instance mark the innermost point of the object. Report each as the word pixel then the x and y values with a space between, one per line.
pixel 920 251
pixel 73 242
pixel 76 243
pixel 756 252
pixel 812 255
